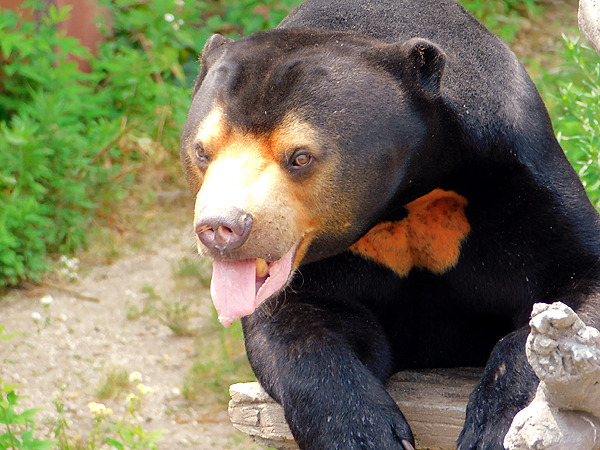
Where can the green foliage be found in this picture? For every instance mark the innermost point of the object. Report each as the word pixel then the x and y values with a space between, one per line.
pixel 124 433
pixel 29 60
pixel 41 131
pixel 19 426
pixel 573 97
pixel 503 17
pixel 72 144
pixel 172 33
pixel 54 133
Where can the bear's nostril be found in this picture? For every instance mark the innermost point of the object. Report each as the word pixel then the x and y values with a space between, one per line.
pixel 204 229
pixel 224 230
pixel 224 234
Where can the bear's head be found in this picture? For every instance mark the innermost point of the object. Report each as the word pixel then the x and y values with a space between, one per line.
pixel 294 144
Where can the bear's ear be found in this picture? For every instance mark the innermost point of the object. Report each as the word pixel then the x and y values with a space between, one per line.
pixel 213 43
pixel 418 63
pixel 425 64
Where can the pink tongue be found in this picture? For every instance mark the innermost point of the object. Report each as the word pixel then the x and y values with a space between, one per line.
pixel 233 289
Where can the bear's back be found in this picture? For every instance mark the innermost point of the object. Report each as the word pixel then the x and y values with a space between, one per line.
pixel 483 83
pixel 485 87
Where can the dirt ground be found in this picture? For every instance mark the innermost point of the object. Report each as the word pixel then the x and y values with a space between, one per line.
pixel 78 342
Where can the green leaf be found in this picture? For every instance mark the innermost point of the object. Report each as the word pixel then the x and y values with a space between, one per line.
pixel 28 414
pixel 27 71
pixel 6 44
pixel 215 23
pixel 114 443
pixel 6 337
pixel 12 398
pixel 56 15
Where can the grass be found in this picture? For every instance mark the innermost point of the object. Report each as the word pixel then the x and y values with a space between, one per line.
pixel 115 383
pixel 221 361
pixel 176 316
pixel 197 268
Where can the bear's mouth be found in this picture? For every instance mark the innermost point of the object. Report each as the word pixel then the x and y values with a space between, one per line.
pixel 239 286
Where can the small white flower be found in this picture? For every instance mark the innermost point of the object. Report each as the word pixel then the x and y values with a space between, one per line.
pixel 175 27
pixel 99 410
pixel 180 22
pixel 36 317
pixel 135 376
pixel 72 264
pixel 144 390
pixel 179 2
pixel 46 300
pixel 131 398
pixel 169 17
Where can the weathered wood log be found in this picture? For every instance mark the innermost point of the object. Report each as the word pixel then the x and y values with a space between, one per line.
pixel 433 402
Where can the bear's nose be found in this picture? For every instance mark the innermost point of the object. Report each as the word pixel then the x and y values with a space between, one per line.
pixel 224 230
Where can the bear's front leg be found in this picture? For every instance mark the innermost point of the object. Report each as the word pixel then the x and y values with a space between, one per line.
pixel 508 385
pixel 326 365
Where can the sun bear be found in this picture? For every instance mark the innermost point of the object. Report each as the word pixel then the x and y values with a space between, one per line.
pixel 380 187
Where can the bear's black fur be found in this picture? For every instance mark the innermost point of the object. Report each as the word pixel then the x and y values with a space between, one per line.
pixel 402 98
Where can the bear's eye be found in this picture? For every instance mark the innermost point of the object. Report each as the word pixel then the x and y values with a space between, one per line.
pixel 301 159
pixel 200 155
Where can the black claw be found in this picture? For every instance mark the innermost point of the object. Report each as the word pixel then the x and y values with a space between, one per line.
pixel 407 445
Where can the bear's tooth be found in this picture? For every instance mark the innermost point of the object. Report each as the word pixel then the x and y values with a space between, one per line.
pixel 262 268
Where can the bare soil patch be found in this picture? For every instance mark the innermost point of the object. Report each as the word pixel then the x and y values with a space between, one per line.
pixel 78 343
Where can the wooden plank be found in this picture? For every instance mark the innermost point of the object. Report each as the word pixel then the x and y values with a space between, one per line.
pixel 433 401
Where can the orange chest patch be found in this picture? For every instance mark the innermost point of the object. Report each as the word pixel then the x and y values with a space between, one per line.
pixel 429 237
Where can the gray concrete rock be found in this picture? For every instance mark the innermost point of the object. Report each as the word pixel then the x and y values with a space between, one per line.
pixel 589 22
pixel 565 414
